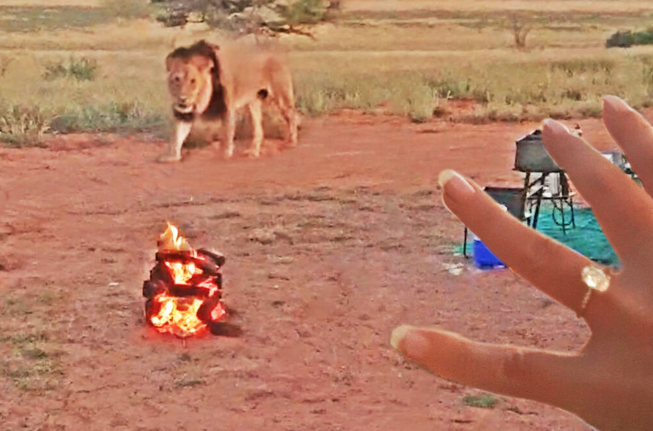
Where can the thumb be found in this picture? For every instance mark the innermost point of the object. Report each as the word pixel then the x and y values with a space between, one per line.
pixel 548 377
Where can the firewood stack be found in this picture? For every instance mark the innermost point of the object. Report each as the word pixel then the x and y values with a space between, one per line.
pixel 184 291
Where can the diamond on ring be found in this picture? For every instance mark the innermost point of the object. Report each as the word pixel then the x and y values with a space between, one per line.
pixel 596 278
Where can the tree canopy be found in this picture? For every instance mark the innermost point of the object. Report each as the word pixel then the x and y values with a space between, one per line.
pixel 249 16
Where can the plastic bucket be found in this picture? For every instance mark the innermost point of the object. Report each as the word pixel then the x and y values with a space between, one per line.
pixel 484 258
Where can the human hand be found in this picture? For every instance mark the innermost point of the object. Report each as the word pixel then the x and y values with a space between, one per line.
pixel 609 382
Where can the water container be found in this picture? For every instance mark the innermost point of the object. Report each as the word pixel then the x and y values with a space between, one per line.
pixel 483 257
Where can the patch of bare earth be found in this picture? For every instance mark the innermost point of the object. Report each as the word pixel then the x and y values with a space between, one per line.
pixel 329 246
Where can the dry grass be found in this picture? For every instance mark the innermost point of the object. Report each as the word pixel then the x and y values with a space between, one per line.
pixel 30 354
pixel 409 62
pixel 50 3
pixel 595 6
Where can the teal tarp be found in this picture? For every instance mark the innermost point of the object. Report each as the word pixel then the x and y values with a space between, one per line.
pixel 586 238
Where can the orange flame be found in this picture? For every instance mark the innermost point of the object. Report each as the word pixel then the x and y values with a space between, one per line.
pixel 182 272
pixel 171 240
pixel 179 315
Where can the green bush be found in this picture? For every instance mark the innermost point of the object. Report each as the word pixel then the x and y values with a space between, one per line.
pixel 81 69
pixel 625 39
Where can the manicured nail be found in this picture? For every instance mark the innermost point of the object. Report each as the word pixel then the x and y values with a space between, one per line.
pixel 397 334
pixel 555 127
pixel 455 181
pixel 414 345
pixel 616 104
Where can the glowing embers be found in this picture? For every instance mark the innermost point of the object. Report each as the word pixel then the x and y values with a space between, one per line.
pixel 185 288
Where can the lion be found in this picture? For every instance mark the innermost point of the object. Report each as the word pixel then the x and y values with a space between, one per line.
pixel 207 82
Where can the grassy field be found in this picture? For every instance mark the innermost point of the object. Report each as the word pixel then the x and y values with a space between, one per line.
pixel 411 57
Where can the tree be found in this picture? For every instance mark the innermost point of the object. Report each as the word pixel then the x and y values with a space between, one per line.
pixel 520 30
pixel 249 16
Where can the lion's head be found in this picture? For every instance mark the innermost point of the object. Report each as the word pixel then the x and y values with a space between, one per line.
pixel 192 77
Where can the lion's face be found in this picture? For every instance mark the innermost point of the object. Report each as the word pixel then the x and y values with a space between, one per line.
pixel 188 82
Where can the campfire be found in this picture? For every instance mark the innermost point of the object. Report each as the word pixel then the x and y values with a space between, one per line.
pixel 185 288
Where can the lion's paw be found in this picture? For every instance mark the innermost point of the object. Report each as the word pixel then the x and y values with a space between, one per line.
pixel 252 153
pixel 168 158
pixel 228 153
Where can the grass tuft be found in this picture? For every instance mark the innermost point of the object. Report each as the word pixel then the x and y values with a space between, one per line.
pixel 81 69
pixel 23 125
pixel 33 364
pixel 485 401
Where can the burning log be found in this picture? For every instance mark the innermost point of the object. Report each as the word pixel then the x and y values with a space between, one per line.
pixel 161 273
pixel 184 291
pixel 197 258
pixel 218 258
pixel 152 288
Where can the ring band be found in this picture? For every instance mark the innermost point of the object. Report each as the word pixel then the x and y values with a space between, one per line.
pixel 596 279
pixel 583 304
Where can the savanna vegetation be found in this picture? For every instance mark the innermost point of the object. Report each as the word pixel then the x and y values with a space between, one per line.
pixel 97 66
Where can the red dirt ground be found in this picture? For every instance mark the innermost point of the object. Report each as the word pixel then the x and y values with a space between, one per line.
pixel 329 246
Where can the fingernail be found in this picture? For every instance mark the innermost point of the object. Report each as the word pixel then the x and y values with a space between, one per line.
pixel 616 104
pixel 456 181
pixel 397 334
pixel 414 345
pixel 555 127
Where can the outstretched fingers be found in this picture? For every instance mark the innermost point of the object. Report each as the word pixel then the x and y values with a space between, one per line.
pixel 550 266
pixel 633 134
pixel 548 377
pixel 622 208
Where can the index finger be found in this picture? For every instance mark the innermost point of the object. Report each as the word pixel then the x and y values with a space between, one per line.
pixel 552 267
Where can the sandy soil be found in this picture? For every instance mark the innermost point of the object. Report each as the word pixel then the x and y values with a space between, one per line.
pixel 329 246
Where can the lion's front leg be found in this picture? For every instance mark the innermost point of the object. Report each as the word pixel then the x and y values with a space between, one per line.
pixel 182 130
pixel 228 132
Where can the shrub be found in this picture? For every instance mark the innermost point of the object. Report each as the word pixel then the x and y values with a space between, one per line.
pixel 304 12
pixel 625 39
pixel 81 69
pixel 23 125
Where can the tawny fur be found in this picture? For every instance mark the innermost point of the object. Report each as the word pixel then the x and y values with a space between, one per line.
pixel 211 83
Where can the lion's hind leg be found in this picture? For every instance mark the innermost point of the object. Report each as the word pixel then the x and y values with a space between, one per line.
pixel 255 110
pixel 292 119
